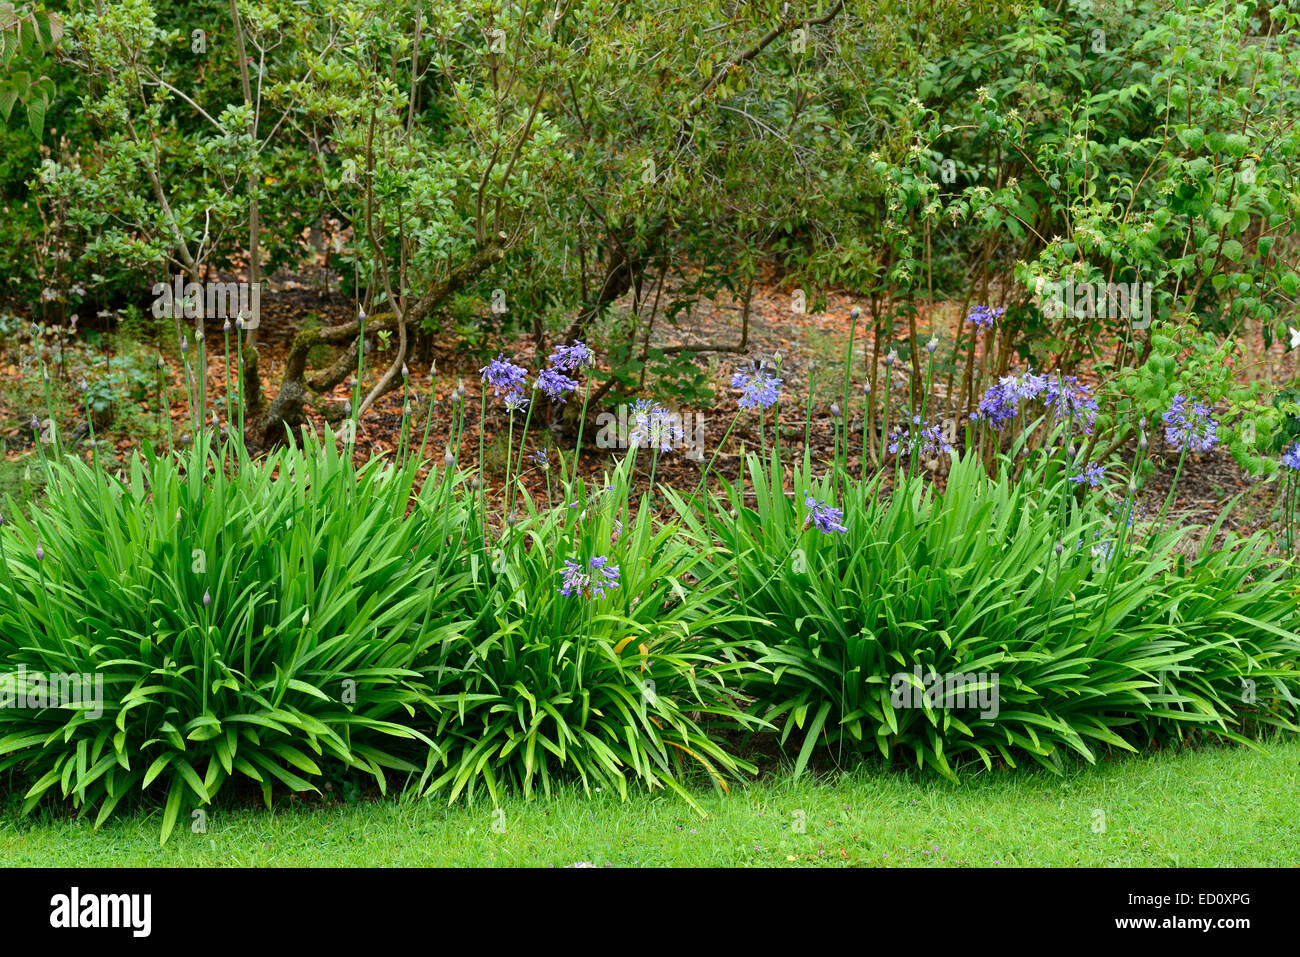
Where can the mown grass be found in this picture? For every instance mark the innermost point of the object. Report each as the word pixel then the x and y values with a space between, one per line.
pixel 1214 807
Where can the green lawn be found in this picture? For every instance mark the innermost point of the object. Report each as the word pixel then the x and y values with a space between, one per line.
pixel 1207 808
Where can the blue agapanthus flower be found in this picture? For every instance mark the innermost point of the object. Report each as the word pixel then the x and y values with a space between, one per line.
pixel 555 384
pixel 984 316
pixel 1027 385
pixel 590 582
pixel 1071 399
pixel 504 376
pixel 1188 425
pixel 654 426
pixel 759 388
pixel 1291 458
pixel 826 518
pixel 572 358
pixel 998 407
pixel 1093 475
pixel 516 402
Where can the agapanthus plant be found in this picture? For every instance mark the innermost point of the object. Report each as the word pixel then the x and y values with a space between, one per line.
pixel 555 384
pixel 1188 425
pixel 504 376
pixel 1071 401
pixel 589 582
pixel 760 389
pixel 984 316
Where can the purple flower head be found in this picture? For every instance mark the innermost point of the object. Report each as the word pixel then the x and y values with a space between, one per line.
pixel 516 402
pixel 826 518
pixel 541 457
pixel 589 583
pixel 1291 458
pixel 1092 474
pixel 759 388
pixel 1027 385
pixel 928 439
pixel 984 316
pixel 998 407
pixel 1190 426
pixel 504 376
pixel 1070 399
pixel 655 426
pixel 555 384
pixel 572 358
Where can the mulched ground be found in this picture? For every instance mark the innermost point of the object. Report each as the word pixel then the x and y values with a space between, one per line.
pixel 808 347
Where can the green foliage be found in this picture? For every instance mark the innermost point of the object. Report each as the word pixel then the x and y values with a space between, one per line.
pixel 251 625
pixel 25 38
pixel 605 689
pixel 1205 366
pixel 1109 643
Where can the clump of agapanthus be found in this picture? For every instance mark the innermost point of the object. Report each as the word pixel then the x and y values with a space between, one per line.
pixel 826 518
pixel 984 316
pixel 555 384
pixel 1291 458
pixel 1093 475
pixel 590 582
pixel 1190 426
pixel 504 376
pixel 1071 399
pixel 572 358
pixel 759 388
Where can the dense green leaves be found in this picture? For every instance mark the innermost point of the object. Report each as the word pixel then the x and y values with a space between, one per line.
pixel 1109 643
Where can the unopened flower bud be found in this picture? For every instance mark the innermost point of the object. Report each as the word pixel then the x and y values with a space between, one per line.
pixel 406 373
pixel 40 552
pixel 1059 548
pixel 225 326
pixel 932 345
pixel 207 598
pixel 855 312
pixel 449 460
pixel 835 409
pixel 185 344
pixel 1143 444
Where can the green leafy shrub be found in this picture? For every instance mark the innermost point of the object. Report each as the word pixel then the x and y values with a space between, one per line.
pixel 247 619
pixel 1110 641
